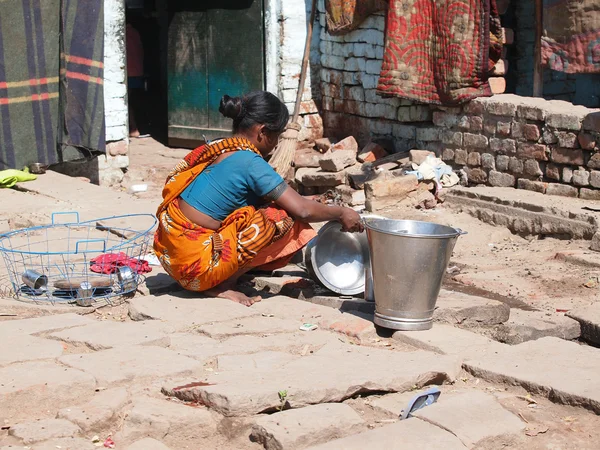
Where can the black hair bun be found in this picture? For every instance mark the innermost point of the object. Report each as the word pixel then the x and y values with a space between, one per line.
pixel 231 107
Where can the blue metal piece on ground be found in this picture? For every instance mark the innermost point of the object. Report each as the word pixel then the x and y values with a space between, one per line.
pixel 421 400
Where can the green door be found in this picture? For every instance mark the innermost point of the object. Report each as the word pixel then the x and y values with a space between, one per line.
pixel 216 47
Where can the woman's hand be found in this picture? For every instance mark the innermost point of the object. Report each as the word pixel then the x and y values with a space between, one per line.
pixel 351 221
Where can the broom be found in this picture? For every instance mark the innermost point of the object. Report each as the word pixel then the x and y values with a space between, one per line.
pixel 283 155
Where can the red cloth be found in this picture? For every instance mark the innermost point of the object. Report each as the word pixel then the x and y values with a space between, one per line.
pixel 110 263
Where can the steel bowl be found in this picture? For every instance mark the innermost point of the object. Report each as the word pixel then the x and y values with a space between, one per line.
pixel 338 259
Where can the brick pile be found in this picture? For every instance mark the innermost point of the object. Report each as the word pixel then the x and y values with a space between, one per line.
pixel 528 143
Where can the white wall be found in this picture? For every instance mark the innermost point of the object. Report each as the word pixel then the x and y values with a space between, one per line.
pixel 115 87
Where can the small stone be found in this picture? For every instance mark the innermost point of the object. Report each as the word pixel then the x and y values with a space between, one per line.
pixel 502 163
pixel 594 162
pixel 474 159
pixel 476 141
pixel 549 137
pixel 562 190
pixel 532 151
pixel 348 143
pixel 476 176
pixel 564 121
pixel 499 107
pixel 581 177
pixel 592 122
pixel 503 146
pixel 515 166
pixel 419 156
pixel 312 425
pixel 532 168
pixel 448 154
pixel 464 123
pixel 372 152
pixel 587 141
pixel 475 107
pixel 516 130
pixel 535 186
pixel 595 178
pixel 503 129
pixel 589 194
pixel 317 177
pixel 531 132
pixel 567 174
pixel 452 137
pixel 499 179
pixel 488 161
pixel 306 157
pixel 460 157
pixel 553 172
pixel 530 112
pixel 337 160
pixel 567 139
pixel 567 156
pixel 595 244
pixel 476 123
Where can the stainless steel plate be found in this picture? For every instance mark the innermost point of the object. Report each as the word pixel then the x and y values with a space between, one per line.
pixel 338 259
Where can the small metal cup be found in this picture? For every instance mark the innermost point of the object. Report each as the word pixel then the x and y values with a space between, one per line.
pixel 37 169
pixel 127 279
pixel 85 294
pixel 35 280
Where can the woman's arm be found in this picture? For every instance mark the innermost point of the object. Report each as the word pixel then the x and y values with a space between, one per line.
pixel 312 211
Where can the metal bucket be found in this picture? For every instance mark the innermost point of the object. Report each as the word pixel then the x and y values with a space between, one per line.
pixel 408 263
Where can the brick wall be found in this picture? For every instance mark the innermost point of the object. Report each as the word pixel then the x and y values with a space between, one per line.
pixel 529 143
pixel 350 67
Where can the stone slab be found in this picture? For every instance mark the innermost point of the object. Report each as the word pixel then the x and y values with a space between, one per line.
pixel 565 372
pixel 186 312
pixel 42 430
pixel 261 361
pixel 99 412
pixel 290 308
pixel 332 374
pixel 108 334
pixel 248 325
pixel 530 325
pixel 28 348
pixel 168 421
pixel 405 435
pixel 457 308
pixel 312 425
pixel 65 444
pixel 30 387
pixel 473 417
pixel 449 340
pixel 147 444
pixel 41 324
pixel 130 362
pixel 589 319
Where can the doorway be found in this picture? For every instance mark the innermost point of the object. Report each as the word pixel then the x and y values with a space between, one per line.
pixel 215 47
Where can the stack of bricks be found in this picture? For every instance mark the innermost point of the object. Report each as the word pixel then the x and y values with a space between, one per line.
pixel 350 67
pixel 510 141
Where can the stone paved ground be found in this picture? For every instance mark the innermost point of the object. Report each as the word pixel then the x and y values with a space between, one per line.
pixel 168 369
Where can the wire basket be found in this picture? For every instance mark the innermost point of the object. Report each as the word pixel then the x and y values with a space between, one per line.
pixel 80 263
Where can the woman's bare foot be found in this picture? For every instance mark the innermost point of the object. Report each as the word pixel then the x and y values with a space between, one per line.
pixel 233 295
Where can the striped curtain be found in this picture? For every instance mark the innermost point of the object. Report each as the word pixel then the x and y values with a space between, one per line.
pixel 51 75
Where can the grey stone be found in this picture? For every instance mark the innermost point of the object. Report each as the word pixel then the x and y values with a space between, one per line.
pixel 562 190
pixel 474 418
pixel 500 179
pixel 567 174
pixel 317 177
pixel 595 244
pixel 336 161
pixel 469 310
pixel 549 366
pixel 99 413
pixel 515 166
pixel 532 168
pixel 268 360
pixel 502 163
pixel 28 348
pixel 254 325
pixel 27 388
pixel 488 161
pixel 166 420
pixel 131 362
pixel 529 325
pixel 309 380
pixel 147 444
pixel 404 435
pixel 103 335
pixel 42 430
pixel 448 340
pixel 581 177
pixel 589 319
pixel 312 425
pixel 45 323
pixel 184 312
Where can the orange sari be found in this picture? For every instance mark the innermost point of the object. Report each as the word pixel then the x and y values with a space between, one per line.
pixel 199 258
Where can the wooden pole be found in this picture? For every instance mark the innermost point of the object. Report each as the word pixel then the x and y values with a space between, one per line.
pixel 538 70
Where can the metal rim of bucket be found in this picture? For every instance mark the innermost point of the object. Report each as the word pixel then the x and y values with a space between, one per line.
pixel 370 224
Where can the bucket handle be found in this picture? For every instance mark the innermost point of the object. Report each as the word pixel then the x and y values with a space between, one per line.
pixel 461 232
pixel 66 213
pixel 90 241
